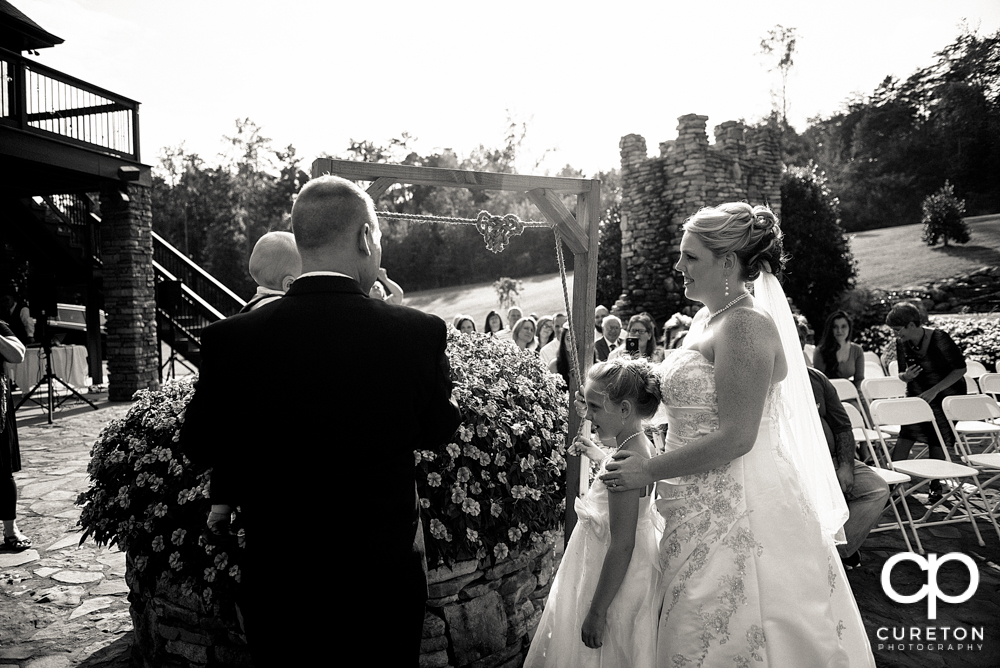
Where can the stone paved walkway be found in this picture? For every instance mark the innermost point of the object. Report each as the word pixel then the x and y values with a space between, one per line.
pixel 64 605
pixel 61 604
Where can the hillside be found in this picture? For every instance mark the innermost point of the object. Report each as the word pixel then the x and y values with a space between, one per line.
pixel 889 258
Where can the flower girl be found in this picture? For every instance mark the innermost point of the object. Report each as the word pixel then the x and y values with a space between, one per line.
pixel 600 610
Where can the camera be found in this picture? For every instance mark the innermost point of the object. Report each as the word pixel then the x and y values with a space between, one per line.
pixel 632 346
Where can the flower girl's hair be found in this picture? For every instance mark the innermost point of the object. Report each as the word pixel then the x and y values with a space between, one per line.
pixel 627 378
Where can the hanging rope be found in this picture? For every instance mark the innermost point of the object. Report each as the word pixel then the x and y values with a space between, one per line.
pixel 496 230
pixel 574 357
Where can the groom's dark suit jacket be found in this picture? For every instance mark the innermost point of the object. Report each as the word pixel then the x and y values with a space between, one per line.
pixel 309 409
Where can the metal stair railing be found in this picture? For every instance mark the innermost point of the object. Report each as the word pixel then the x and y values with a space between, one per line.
pixel 205 290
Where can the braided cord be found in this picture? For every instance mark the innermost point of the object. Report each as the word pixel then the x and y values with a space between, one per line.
pixel 428 218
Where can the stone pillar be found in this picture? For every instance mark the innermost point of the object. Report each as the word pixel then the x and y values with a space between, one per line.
pixel 129 290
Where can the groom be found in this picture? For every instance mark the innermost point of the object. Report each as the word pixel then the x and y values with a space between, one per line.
pixel 311 430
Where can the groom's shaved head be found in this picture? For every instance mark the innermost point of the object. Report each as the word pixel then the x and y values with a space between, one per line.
pixel 328 211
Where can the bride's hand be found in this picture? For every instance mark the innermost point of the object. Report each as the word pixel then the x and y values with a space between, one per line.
pixel 626 471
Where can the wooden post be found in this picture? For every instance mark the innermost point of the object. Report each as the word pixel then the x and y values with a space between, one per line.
pixel 588 216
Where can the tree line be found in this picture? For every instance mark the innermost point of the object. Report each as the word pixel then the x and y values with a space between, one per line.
pixel 870 165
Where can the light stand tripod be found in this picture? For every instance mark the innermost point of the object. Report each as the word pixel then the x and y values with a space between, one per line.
pixel 41 327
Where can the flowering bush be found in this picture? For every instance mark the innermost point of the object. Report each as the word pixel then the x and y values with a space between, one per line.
pixel 978 339
pixel 152 501
pixel 499 485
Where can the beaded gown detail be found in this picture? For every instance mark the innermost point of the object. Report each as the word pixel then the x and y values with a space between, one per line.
pixel 629 639
pixel 747 577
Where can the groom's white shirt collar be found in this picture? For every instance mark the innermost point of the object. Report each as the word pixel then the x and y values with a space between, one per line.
pixel 325 273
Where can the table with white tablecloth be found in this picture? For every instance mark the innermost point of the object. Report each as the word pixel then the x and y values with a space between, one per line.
pixel 68 362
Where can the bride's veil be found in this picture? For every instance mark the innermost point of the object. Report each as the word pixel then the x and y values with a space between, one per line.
pixel 807 447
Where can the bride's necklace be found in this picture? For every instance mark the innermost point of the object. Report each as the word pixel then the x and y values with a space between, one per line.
pixel 730 304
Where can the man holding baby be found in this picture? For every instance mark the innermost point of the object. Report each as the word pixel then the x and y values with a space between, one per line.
pixel 288 403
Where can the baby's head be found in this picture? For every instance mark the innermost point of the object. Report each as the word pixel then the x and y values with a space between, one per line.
pixel 619 392
pixel 275 261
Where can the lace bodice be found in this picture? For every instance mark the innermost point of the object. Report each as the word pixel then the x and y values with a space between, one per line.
pixel 689 394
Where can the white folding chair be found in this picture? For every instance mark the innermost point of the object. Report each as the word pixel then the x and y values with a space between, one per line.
pixel 989 383
pixel 874 370
pixel 913 410
pixel 893 369
pixel 892 478
pixel 889 387
pixel 974 369
pixel 872 357
pixel 970 417
pixel 971 387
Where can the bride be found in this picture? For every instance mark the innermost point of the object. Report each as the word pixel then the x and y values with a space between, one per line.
pixel 750 573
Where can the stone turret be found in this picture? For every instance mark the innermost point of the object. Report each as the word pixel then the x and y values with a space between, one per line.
pixel 660 193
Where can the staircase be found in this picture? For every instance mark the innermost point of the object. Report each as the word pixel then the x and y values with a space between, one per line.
pixel 66 229
pixel 188 299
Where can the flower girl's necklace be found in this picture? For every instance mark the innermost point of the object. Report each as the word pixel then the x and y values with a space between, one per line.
pixel 732 303
pixel 605 461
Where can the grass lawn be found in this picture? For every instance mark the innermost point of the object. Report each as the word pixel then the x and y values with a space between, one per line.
pixel 890 258
pixel 895 257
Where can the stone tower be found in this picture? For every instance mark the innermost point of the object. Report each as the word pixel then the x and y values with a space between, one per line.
pixel 660 193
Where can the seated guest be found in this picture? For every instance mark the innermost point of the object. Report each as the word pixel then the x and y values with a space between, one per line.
pixel 558 320
pixel 675 329
pixel 611 329
pixel 562 364
pixel 493 324
pixel 550 351
pixel 274 266
pixel 641 327
pixel 546 333
pixel 600 313
pixel 836 356
pixel 523 334
pixel 864 490
pixel 464 324
pixel 513 316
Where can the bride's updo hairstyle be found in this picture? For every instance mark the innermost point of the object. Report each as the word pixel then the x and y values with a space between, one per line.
pixel 627 378
pixel 752 233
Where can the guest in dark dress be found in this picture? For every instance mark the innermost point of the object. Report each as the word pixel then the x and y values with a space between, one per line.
pixel 11 350
pixel 933 368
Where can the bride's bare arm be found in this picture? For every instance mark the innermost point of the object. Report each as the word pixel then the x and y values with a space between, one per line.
pixel 745 352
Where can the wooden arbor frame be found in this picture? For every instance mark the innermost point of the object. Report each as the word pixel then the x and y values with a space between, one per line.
pixel 578 232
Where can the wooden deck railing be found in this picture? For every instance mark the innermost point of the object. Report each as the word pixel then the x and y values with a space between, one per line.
pixel 40 100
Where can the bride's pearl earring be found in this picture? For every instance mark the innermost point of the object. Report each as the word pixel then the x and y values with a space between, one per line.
pixel 727 286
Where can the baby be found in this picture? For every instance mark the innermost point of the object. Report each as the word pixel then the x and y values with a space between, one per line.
pixel 274 265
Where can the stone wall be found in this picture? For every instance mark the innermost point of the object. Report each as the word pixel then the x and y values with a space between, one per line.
pixel 484 617
pixel 129 291
pixel 975 292
pixel 177 630
pixel 659 193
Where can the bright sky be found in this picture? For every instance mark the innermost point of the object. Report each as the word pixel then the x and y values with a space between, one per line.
pixel 582 74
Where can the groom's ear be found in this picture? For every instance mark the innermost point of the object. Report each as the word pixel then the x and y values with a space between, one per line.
pixel 363 236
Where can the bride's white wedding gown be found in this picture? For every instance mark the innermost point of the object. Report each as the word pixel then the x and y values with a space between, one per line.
pixel 629 640
pixel 747 579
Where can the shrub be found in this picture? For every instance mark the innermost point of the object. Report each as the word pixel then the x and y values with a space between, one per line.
pixel 152 501
pixel 499 486
pixel 609 255
pixel 820 267
pixel 942 217
pixel 978 339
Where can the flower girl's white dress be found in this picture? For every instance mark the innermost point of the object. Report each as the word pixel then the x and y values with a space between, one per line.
pixel 630 635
